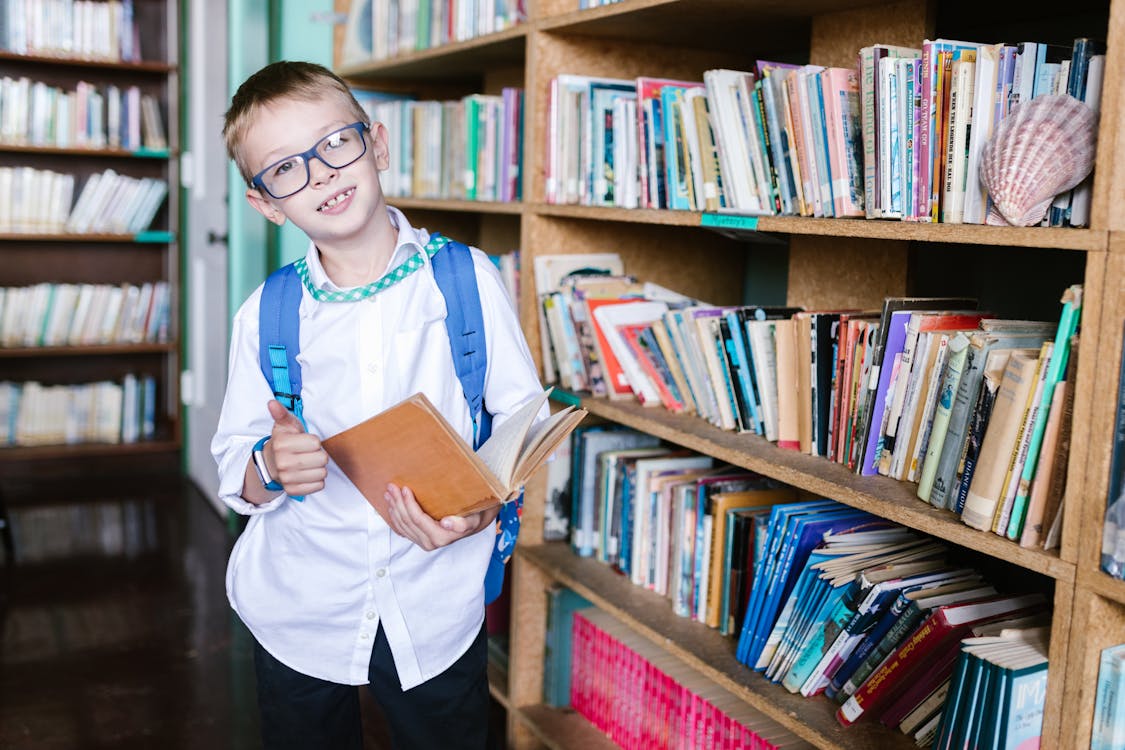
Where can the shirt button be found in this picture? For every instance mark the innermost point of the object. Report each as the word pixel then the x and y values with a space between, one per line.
pixel 364 635
pixel 370 615
pixel 380 572
pixel 373 368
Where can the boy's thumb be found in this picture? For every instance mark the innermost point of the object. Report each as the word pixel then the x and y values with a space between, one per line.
pixel 284 418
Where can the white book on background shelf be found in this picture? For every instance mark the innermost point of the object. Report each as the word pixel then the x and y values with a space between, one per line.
pixel 82 306
pixel 113 116
pixel 130 398
pixel 108 191
pixel 21 198
pixel 95 193
pixel 91 326
pixel 112 217
pixel 146 211
pixel 85 195
pixel 58 207
pixel 61 315
pixel 7 180
pixel 136 325
pixel 134 194
pixel 40 309
pixel 156 325
pixel 110 399
pixel 122 332
pixel 15 303
pixel 115 301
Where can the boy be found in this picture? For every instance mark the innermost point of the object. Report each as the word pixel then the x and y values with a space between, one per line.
pixel 333 595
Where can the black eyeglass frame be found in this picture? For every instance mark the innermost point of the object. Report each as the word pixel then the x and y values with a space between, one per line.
pixel 313 153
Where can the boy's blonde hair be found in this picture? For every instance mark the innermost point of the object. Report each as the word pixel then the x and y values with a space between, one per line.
pixel 285 79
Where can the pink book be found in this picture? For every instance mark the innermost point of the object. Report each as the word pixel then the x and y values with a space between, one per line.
pixel 841 116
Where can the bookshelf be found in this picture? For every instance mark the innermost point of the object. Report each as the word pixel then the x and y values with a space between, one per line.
pixel 831 263
pixel 99 258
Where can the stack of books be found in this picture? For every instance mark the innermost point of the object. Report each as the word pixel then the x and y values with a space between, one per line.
pixel 465 149
pixel 924 390
pixel 897 136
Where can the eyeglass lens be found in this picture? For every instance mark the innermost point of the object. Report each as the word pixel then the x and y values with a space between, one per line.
pixel 337 150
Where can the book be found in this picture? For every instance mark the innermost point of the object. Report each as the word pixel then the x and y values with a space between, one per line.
pixel 995 333
pixel 880 371
pixel 1109 701
pixel 404 443
pixel 721 504
pixel 1068 325
pixel 561 606
pixel 913 655
pixel 1000 438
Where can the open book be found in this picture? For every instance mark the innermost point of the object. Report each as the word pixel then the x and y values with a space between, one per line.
pixel 412 445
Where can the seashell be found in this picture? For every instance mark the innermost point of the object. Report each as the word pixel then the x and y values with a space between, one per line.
pixel 1042 148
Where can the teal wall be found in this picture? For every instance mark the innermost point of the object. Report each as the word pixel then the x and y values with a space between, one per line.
pixel 248 32
pixel 262 31
pixel 298 37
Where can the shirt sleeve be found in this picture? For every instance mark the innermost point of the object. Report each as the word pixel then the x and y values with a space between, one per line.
pixel 511 378
pixel 244 418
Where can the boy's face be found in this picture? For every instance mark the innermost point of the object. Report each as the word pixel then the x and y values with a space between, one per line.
pixel 338 204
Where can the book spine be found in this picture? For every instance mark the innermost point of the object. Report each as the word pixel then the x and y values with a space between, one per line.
pixel 1057 366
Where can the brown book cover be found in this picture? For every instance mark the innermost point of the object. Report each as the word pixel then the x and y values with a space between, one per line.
pixel 412 445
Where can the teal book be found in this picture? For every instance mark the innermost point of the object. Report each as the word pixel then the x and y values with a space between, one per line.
pixel 561 605
pixel 1068 324
pixel 1109 701
pixel 1022 714
pixel 963 673
pixel 826 625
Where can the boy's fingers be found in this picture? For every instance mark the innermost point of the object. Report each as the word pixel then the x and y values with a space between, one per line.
pixel 283 419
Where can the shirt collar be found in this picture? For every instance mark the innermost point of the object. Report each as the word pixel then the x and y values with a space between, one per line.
pixel 410 240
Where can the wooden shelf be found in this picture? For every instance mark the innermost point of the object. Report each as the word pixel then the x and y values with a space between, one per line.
pixel 704 649
pixel 78 62
pixel 115 153
pixel 86 450
pixel 148 238
pixel 563 729
pixel 1104 585
pixel 476 207
pixel 1086 240
pixel 85 351
pixel 459 60
pixel 880 495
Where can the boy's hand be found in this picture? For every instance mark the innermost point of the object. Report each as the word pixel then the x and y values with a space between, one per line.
pixel 409 520
pixel 297 459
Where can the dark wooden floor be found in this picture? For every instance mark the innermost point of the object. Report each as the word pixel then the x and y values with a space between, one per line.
pixel 116 632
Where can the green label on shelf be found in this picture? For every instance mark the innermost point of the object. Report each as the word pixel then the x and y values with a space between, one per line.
pixel 565 397
pixel 729 221
pixel 152 153
pixel 155 236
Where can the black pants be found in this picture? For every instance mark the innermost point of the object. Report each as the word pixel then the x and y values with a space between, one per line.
pixel 304 713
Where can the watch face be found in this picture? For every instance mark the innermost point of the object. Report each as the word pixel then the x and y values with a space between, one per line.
pixel 263 470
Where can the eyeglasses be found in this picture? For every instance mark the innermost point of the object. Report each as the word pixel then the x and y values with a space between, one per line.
pixel 290 175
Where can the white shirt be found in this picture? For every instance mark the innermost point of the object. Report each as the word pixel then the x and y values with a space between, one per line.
pixel 313 580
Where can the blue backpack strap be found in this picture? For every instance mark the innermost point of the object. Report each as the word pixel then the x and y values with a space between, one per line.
pixel 457 279
pixel 279 326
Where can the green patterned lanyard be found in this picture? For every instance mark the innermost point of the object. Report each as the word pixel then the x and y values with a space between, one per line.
pixel 407 267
